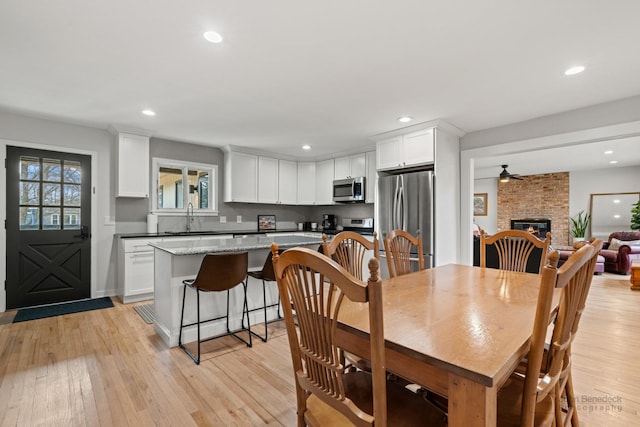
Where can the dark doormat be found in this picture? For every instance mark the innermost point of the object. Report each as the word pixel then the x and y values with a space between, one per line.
pixel 60 309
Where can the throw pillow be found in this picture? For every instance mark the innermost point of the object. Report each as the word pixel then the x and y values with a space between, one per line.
pixel 616 243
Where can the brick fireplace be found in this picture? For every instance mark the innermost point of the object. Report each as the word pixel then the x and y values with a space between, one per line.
pixel 537 196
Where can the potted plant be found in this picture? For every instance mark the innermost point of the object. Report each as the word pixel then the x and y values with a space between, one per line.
pixel 579 225
pixel 635 216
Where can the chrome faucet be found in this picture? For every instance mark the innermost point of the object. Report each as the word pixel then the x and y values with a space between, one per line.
pixel 189 217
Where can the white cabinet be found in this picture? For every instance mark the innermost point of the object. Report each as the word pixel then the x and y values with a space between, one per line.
pixel 412 149
pixel 132 165
pixel 389 153
pixel 268 181
pixel 287 182
pixel 418 147
pixel 350 166
pixel 371 176
pixel 135 270
pixel 306 183
pixel 324 182
pixel 241 177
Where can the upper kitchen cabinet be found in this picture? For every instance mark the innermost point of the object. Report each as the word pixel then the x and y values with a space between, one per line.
pixel 241 177
pixel 132 165
pixel 324 182
pixel 404 151
pixel 306 183
pixel 267 180
pixel 287 182
pixel 350 166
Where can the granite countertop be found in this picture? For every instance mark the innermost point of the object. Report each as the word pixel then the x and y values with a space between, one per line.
pixel 237 244
pixel 199 233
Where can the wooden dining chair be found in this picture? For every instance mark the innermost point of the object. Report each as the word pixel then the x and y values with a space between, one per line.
pixel 329 394
pixel 568 414
pixel 531 399
pixel 398 246
pixel 514 250
pixel 351 250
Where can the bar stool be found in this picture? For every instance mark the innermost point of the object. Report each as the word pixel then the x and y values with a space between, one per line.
pixel 218 273
pixel 266 275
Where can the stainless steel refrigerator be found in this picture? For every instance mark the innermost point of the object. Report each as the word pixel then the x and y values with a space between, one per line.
pixel 405 201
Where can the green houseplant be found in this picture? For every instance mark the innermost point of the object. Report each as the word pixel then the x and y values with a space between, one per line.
pixel 635 216
pixel 579 225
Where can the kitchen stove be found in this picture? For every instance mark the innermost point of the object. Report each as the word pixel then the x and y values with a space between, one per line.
pixel 359 225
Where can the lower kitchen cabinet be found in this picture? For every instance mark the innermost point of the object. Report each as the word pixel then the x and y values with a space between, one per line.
pixel 135 270
pixel 136 265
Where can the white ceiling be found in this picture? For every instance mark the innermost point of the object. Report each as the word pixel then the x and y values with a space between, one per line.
pixel 327 73
pixel 584 156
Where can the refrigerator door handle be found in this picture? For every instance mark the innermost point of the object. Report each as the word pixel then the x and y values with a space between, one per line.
pixel 403 205
pixel 396 195
pixel 405 211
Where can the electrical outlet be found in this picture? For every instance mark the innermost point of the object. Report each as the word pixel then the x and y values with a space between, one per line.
pixel 223 219
pixel 239 219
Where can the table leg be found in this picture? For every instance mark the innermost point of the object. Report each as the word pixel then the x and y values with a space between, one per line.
pixel 471 403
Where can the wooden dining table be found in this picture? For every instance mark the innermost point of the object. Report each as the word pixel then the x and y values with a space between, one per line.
pixel 457 330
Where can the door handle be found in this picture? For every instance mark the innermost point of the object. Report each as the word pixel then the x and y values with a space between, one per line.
pixel 84 232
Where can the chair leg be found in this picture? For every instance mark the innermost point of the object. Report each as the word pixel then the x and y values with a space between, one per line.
pixel 180 344
pixel 184 294
pixel 198 311
pixel 264 309
pixel 571 400
pixel 264 296
pixel 245 309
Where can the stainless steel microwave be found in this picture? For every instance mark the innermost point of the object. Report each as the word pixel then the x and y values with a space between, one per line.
pixel 349 190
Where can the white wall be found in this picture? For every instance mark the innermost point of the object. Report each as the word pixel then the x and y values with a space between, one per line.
pixel 488 223
pixel 27 131
pixel 611 180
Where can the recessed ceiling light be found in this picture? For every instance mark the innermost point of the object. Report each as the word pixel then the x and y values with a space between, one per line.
pixel 213 37
pixel 616 201
pixel 306 147
pixel 616 216
pixel 148 112
pixel 405 119
pixel 613 162
pixel 574 70
pixel 608 152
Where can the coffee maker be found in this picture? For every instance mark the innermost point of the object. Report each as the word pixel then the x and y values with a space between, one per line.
pixel 329 222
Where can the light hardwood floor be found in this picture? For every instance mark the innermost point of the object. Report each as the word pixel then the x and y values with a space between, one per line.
pixel 108 368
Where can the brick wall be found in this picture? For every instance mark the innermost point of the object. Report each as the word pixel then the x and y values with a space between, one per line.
pixel 537 196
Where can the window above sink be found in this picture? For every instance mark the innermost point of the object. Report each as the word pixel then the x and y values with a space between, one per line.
pixel 178 184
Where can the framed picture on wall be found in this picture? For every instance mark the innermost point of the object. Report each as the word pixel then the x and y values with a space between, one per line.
pixel 480 204
pixel 266 222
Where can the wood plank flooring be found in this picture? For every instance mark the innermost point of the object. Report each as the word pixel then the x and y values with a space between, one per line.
pixel 109 368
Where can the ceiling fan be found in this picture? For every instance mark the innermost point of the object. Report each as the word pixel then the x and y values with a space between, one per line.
pixel 505 176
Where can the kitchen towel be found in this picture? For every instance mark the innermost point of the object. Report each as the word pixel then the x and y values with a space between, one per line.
pixel 152 223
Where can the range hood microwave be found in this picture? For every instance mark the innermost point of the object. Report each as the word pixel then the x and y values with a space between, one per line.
pixel 350 190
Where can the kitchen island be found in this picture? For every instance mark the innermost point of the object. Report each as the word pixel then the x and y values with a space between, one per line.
pixel 177 260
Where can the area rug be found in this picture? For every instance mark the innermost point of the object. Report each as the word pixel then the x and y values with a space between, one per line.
pixel 147 312
pixel 60 309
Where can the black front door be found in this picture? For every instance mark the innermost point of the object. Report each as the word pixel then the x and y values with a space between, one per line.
pixel 48 227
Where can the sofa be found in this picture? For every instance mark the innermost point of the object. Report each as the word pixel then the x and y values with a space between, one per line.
pixel 620 250
pixel 565 254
